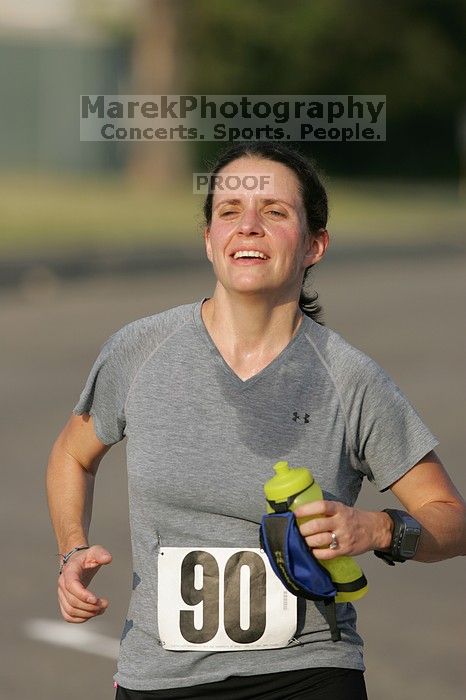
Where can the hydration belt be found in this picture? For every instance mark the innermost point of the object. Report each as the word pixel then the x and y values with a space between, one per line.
pixel 295 565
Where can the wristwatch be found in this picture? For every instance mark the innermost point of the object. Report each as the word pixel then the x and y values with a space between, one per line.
pixel 405 537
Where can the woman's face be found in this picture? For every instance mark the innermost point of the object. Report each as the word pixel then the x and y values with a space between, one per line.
pixel 258 241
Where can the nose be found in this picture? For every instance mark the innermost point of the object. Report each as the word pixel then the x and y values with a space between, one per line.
pixel 250 223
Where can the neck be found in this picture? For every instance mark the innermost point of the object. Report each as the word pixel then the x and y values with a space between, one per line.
pixel 250 330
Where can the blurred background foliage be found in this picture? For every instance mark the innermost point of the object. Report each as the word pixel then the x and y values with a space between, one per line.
pixel 56 191
pixel 414 52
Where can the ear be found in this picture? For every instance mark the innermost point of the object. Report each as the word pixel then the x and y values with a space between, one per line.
pixel 317 245
pixel 208 246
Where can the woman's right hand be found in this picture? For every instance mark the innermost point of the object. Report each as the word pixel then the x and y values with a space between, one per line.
pixel 77 603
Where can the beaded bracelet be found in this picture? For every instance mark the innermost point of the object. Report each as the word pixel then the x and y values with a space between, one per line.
pixel 66 556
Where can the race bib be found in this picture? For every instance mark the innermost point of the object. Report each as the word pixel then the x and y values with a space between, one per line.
pixel 221 599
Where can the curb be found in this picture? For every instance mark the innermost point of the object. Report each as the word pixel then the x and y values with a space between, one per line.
pixel 86 264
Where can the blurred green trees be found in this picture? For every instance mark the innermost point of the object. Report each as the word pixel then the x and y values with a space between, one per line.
pixel 411 51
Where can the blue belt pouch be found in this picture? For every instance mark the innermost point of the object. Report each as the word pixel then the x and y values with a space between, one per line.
pixel 295 565
pixel 292 560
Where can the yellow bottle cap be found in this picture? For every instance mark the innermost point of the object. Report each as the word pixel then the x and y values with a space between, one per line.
pixel 287 481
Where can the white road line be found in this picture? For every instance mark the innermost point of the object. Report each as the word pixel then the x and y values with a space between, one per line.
pixel 65 634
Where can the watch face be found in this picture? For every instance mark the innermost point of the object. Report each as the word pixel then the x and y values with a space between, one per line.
pixel 410 541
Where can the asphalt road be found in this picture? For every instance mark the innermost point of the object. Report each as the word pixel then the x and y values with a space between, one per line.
pixel 408 314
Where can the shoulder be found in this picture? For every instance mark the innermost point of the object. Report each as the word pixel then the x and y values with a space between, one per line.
pixel 145 334
pixel 345 363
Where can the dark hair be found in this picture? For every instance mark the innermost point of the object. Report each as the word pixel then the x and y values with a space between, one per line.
pixel 311 189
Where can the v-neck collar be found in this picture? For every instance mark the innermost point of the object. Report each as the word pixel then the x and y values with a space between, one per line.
pixel 220 361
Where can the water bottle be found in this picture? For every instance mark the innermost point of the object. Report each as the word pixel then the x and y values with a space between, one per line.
pixel 292 487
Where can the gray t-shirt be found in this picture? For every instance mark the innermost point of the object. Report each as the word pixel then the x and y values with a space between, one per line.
pixel 201 442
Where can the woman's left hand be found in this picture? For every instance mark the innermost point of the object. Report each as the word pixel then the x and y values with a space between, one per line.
pixel 356 531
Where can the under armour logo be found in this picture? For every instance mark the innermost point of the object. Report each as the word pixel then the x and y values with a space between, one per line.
pixel 298 419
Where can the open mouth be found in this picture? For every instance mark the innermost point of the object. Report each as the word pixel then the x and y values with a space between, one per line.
pixel 242 254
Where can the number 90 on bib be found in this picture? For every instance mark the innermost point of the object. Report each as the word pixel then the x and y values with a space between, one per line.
pixel 221 599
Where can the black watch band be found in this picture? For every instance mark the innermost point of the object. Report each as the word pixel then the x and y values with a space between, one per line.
pixel 405 537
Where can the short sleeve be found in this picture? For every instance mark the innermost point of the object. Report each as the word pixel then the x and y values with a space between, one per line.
pixel 390 437
pixel 104 393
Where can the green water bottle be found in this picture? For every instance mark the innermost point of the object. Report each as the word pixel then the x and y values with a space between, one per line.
pixel 292 487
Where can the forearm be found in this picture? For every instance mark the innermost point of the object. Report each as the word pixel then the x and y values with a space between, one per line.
pixel 443 532
pixel 70 490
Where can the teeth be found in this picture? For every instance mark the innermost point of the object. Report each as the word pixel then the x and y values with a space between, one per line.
pixel 249 254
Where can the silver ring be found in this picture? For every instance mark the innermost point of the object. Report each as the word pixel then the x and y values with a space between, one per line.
pixel 334 543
